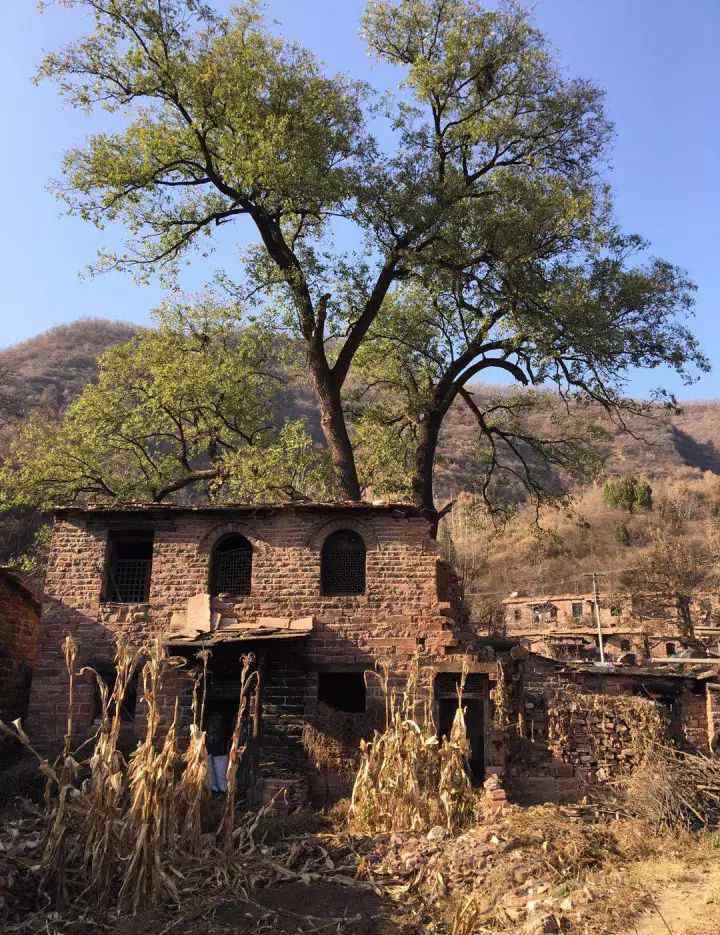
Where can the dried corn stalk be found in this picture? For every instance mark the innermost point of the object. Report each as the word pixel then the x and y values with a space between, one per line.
pixel 130 833
pixel 408 778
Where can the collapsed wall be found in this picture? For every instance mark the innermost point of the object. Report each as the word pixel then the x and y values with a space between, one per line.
pixel 575 726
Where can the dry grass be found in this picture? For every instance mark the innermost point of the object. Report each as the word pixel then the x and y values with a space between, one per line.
pixel 574 538
pixel 673 790
pixel 592 878
pixel 408 778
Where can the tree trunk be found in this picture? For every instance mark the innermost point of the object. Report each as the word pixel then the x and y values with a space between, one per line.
pixel 422 481
pixel 332 421
pixel 687 628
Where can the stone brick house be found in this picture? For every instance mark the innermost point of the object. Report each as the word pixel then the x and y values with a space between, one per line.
pixel 19 637
pixel 320 593
pixel 564 626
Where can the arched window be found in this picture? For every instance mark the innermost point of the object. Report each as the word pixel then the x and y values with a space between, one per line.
pixel 342 563
pixel 231 569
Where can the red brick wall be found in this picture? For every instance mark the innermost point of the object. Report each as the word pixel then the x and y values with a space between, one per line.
pixel 19 635
pixel 399 612
pixel 19 622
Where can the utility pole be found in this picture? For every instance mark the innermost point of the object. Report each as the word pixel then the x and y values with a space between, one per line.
pixel 597 619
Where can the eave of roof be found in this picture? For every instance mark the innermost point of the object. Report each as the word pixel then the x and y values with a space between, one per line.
pixel 405 509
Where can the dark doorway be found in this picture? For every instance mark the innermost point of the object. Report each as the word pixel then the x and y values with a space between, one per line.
pixel 474 704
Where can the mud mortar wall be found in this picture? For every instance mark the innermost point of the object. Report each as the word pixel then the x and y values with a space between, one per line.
pixel 580 728
pixel 401 612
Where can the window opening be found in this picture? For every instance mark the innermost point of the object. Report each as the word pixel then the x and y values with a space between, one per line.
pixel 577 609
pixel 128 568
pixel 127 705
pixel 517 613
pixel 670 649
pixel 344 691
pixel 232 566
pixel 343 563
pixel 625 646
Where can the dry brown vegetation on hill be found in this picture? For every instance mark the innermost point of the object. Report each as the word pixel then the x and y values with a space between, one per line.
pixel 50 370
pixel 575 539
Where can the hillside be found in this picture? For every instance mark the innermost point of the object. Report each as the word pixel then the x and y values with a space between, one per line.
pixel 49 371
pixel 675 454
pixel 46 373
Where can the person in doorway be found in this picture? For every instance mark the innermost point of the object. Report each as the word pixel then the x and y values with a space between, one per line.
pixel 217 752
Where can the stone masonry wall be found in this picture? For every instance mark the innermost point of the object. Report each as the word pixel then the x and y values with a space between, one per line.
pixel 399 613
pixel 19 636
pixel 578 725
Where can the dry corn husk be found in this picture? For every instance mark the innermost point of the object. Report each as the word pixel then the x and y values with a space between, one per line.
pixel 408 778
pixel 129 833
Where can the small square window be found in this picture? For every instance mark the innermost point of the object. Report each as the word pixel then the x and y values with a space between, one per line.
pixel 128 568
pixel 344 691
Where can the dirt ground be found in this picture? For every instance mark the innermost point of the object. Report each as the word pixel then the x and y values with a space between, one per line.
pixel 684 900
pixel 531 871
pixel 291 908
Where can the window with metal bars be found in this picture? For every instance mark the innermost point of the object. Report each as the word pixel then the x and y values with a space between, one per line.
pixel 231 571
pixel 342 563
pixel 128 568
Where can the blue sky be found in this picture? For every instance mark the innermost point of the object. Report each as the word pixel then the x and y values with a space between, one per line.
pixel 658 61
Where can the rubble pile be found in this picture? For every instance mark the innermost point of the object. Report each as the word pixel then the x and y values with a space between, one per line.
pixel 525 866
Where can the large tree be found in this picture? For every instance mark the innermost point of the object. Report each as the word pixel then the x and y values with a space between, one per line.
pixel 193 404
pixel 482 194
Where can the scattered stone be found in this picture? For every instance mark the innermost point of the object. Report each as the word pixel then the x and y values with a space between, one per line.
pixel 438 833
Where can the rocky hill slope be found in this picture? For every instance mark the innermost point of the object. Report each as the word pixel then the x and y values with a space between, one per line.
pixel 49 371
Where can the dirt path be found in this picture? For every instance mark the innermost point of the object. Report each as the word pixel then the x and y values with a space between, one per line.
pixel 688 904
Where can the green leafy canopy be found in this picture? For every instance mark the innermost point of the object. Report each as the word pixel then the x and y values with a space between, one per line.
pixel 485 238
pixel 190 404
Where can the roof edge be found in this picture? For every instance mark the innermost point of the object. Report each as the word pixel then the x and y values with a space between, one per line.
pixel 407 509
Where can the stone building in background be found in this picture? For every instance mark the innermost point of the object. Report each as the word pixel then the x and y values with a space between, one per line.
pixel 565 626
